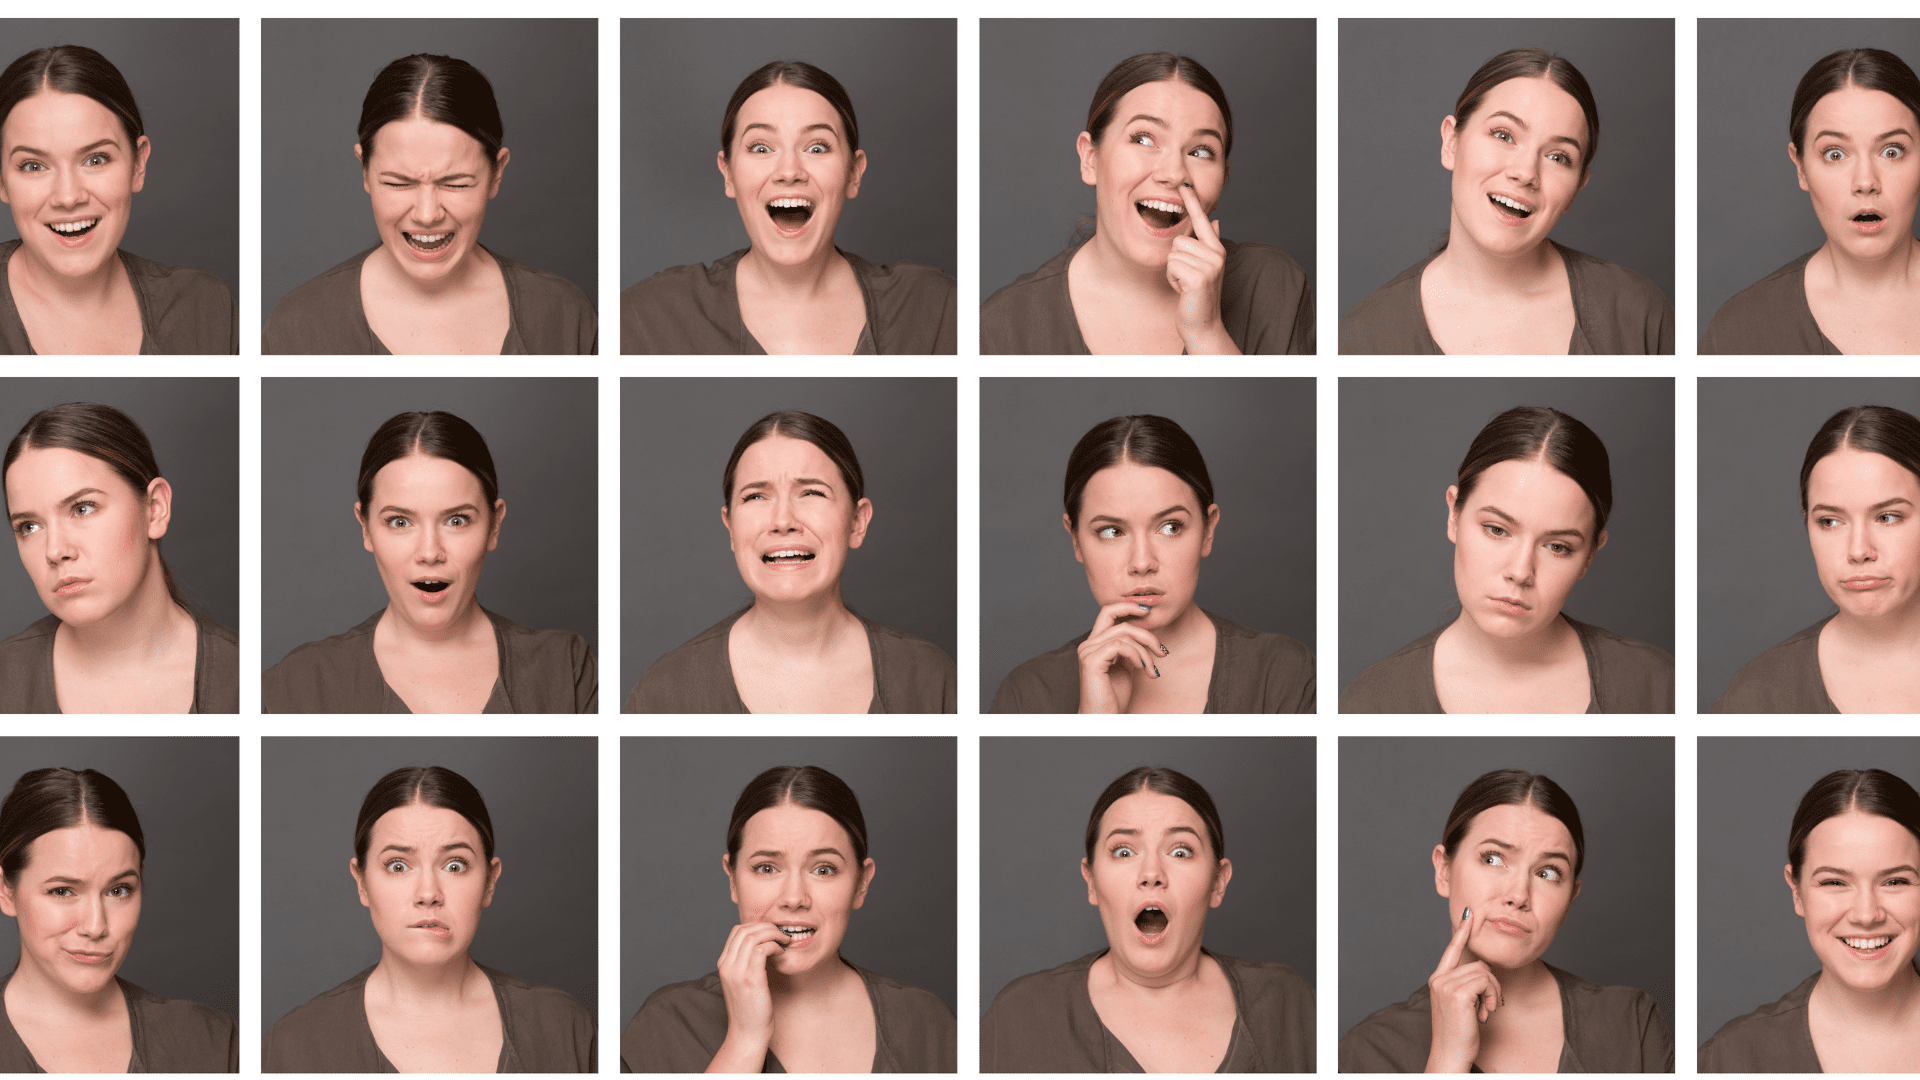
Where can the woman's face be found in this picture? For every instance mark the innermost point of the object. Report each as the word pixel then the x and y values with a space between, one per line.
pixel 424 884
pixel 85 536
pixel 69 179
pixel 430 184
pixel 1859 891
pixel 429 529
pixel 1863 521
pixel 1860 169
pixel 790 172
pixel 1164 136
pixel 1142 535
pixel 1514 868
pixel 792 520
pixel 1523 538
pixel 1517 163
pixel 1153 876
pixel 78 902
pixel 796 870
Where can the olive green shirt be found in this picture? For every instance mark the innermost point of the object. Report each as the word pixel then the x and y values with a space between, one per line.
pixel 1784 679
pixel 1253 672
pixel 26 669
pixel 184 310
pixel 169 1036
pixel 1769 316
pixel 1623 676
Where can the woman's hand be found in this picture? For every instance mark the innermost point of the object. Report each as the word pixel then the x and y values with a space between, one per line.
pixel 1114 645
pixel 743 983
pixel 1196 268
pixel 1463 996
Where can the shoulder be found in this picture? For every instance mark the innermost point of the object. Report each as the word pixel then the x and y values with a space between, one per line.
pixel 907 999
pixel 1785 678
pixel 678 1028
pixel 33 637
pixel 552 671
pixel 700 997
pixel 554 315
pixel 1758 1041
pixel 319 674
pixel 26 684
pixel 1383 321
pixel 547 1005
pixel 308 319
pixel 919 1029
pixel 1048 683
pixel 542 646
pixel 1636 676
pixel 1268 981
pixel 1394 684
pixel 681 309
pixel 1023 317
pixel 915 674
pixel 1394 1039
pixel 1271 267
pixel 553 1032
pixel 308 1039
pixel 1592 997
pixel 544 287
pixel 1622 285
pixel 191 310
pixel 1039 1000
pixel 914 307
pixel 1271 672
pixel 904 279
pixel 692 678
pixel 1751 319
pixel 196 1039
pixel 220 662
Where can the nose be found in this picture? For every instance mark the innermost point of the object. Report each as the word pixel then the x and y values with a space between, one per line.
pixel 69 192
pixel 793 892
pixel 1866 174
pixel 430 549
pixel 1170 169
pixel 1522 168
pixel 1860 547
pixel 1520 565
pixel 60 545
pixel 1141 558
pixel 1151 872
pixel 93 918
pixel 783 514
pixel 426 888
pixel 426 205
pixel 1516 891
pixel 792 167
pixel 1866 909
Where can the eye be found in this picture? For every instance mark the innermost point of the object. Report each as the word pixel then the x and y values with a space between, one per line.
pixel 1832 153
pixel 32 166
pixel 820 148
pixel 1551 873
pixel 1827 522
pixel 60 890
pixel 1142 138
pixel 1170 528
pixel 759 148
pixel 1205 153
pixel 1503 135
pixel 85 509
pixel 1107 532
pixel 1892 153
pixel 121 891
pixel 1123 852
pixel 825 870
pixel 1493 858
pixel 1832 881
pixel 1495 530
pixel 1560 157
pixel 25 529
pixel 765 868
pixel 97 160
pixel 1559 548
pixel 814 491
pixel 398 522
pixel 1890 517
pixel 457 520
pixel 1181 851
pixel 455 866
pixel 396 866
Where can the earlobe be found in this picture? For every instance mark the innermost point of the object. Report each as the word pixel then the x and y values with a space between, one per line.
pixel 726 867
pixel 1089 171
pixel 1453 513
pixel 499 170
pixel 142 151
pixel 726 173
pixel 1793 155
pixel 359 883
pixel 159 507
pixel 1067 523
pixel 499 516
pixel 366 182
pixel 1793 887
pixel 859 171
pixel 1213 522
pixel 866 881
pixel 1448 135
pixel 862 517
pixel 6 901
pixel 1086 871
pixel 1442 872
pixel 366 533
pixel 1220 878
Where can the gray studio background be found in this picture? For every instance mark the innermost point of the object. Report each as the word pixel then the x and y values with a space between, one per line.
pixel 1754 218
pixel 676 797
pixel 1401 441
pixel 1035 795
pixel 314 74
pixel 1257 436
pixel 676 76
pixel 186 792
pixel 1390 138
pixel 194 426
pixel 1037 77
pixel 1758 585
pixel 542 795
pixel 1395 794
pixel 320 580
pixel 185 76
pixel 676 435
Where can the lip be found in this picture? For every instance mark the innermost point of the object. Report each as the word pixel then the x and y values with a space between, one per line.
pixel 782 231
pixel 429 256
pixel 432 597
pixel 437 929
pixel 1152 939
pixel 71 586
pixel 1183 227
pixel 1509 605
pixel 792 944
pixel 1867 228
pixel 1864 583
pixel 101 958
pixel 1508 927
pixel 1867 957
pixel 801 564
pixel 75 242
pixel 1505 215
pixel 1147 598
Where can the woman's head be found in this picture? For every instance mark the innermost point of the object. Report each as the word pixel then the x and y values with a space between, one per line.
pixel 1140 510
pixel 1852 132
pixel 1156 862
pixel 795 504
pixel 790 157
pixel 431 158
pixel 1158 133
pixel 429 510
pixel 1526 516
pixel 424 864
pixel 1853 863
pixel 797 857
pixel 1520 143
pixel 1860 493
pixel 75 152
pixel 1512 851
pixel 88 507
pixel 71 861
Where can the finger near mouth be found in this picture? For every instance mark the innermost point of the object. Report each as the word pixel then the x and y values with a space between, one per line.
pixel 1157 218
pixel 435 242
pixel 1505 209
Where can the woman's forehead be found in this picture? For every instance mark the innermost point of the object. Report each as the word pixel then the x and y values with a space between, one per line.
pixel 1128 489
pixel 57 122
pixel 1853 476
pixel 47 474
pixel 788 828
pixel 1539 105
pixel 436 483
pixel 418 825
pixel 1860 113
pixel 785 109
pixel 1180 107
pixel 1523 826
pixel 782 457
pixel 1150 814
pixel 420 146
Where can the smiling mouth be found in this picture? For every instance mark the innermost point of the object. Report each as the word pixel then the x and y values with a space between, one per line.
pixel 1160 214
pixel 1151 920
pixel 1511 206
pixel 431 585
pixel 428 241
pixel 73 230
pixel 1866 944
pixel 790 213
pixel 796 933
pixel 796 556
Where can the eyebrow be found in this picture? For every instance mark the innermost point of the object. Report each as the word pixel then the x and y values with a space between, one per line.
pixel 1178 508
pixel 405 850
pixel 1568 139
pixel 62 879
pixel 1561 855
pixel 764 853
pixel 1876 138
pixel 1164 124
pixel 95 145
pixel 1875 508
pixel 1511 520
pixel 437 179
pixel 462 508
pixel 68 501
pixel 803 131
pixel 1188 829
pixel 797 480
pixel 1908 867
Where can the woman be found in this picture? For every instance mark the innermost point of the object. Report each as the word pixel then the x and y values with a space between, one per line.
pixel 1156 276
pixel 426 1006
pixel 1860 291
pixel 73 874
pixel 1153 1000
pixel 1140 511
pixel 75 154
pixel 1859 496
pixel 1520 145
pixel 794 506
pixel 1492 1005
pixel 1526 518
pixel 88 507
pixel 430 510
pixel 783 998
pixel 1861 1011
pixel 431 157
pixel 790 158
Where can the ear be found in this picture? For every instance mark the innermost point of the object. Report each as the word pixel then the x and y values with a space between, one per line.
pixel 366 533
pixel 726 172
pixel 1793 887
pixel 366 182
pixel 1453 511
pixel 1086 871
pixel 866 879
pixel 493 878
pixel 1442 872
pixel 499 170
pixel 1067 524
pixel 1598 544
pixel 853 175
pixel 499 516
pixel 141 151
pixel 1206 536
pixel 726 867
pixel 1576 892
pixel 1089 169
pixel 159 507
pixel 1799 169
pixel 1449 140
pixel 359 883
pixel 1220 879
pixel 7 904
pixel 862 517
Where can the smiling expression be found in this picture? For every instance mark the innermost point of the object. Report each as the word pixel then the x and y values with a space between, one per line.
pixel 1163 135
pixel 1517 164
pixel 78 902
pixel 1151 855
pixel 1861 170
pixel 796 870
pixel 1861 523
pixel 790 172
pixel 1521 542
pixel 791 520
pixel 1859 891
pixel 85 537
pixel 1142 535
pixel 430 184
pixel 68 164
pixel 429 530
pixel 1514 868
pixel 425 883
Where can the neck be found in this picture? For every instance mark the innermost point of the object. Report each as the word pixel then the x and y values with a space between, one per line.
pixel 1896 271
pixel 1526 984
pixel 1184 974
pixel 464 276
pixel 1184 633
pixel 1895 1005
pixel 797 281
pixel 815 624
pixel 27 275
pixel 468 624
pixel 1521 272
pixel 145 626
pixel 30 989
pixel 815 982
pixel 400 980
pixel 1110 267
pixel 1534 650
pixel 1896 632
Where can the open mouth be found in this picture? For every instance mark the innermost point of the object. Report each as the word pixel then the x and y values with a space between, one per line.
pixel 431 585
pixel 1160 214
pixel 790 213
pixel 1511 206
pixel 793 556
pixel 1866 944
pixel 74 230
pixel 1151 921
pixel 1867 218
pixel 428 241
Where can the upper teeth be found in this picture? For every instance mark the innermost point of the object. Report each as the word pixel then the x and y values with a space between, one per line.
pixel 1867 942
pixel 75 226
pixel 1163 206
pixel 1515 203
pixel 790 203
pixel 795 929
pixel 784 554
pixel 1151 907
pixel 431 238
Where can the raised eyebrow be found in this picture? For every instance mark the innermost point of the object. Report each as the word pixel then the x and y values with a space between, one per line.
pixel 826 851
pixel 392 509
pixel 1148 119
pixel 463 508
pixel 90 147
pixel 456 844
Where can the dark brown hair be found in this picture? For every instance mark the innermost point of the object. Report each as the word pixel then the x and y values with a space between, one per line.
pixel 1869 69
pixel 1526 432
pixel 48 799
pixel 430 785
pixel 435 434
pixel 1873 429
pixel 72 69
pixel 1151 67
pixel 1166 782
pixel 1533 63
pixel 1514 787
pixel 806 427
pixel 1143 439
pixel 1868 791
pixel 794 73
pixel 440 88
pixel 809 786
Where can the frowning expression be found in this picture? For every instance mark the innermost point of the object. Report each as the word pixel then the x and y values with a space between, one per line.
pixel 796 869
pixel 1523 538
pixel 1863 522
pixel 1515 869
pixel 1859 891
pixel 1860 169
pixel 85 536
pixel 429 527
pixel 1142 534
pixel 430 183
pixel 425 882
pixel 1154 875
pixel 78 902
pixel 791 520
pixel 1517 163
pixel 1164 136
pixel 69 178
pixel 791 171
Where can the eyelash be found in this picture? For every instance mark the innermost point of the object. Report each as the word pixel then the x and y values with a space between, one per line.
pixel 118 892
pixel 1145 138
pixel 1834 522
pixel 752 495
pixel 1494 858
pixel 1122 851
pixel 1506 136
pixel 823 870
pixel 103 159
pixel 398 521
pixel 449 187
pixel 80 509
pixel 1176 527
pixel 402 864
pixel 822 146
pixel 1559 548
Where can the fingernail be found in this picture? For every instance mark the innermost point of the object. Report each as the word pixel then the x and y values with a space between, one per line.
pixel 1156 671
pixel 1143 607
pixel 1164 651
pixel 1465 914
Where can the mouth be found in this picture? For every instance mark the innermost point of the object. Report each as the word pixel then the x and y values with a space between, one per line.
pixel 435 927
pixel 1864 584
pixel 431 585
pixel 428 243
pixel 1159 214
pixel 1508 926
pixel 74 230
pixel 70 586
pixel 1147 597
pixel 791 213
pixel 787 557
pixel 1511 206
pixel 1867 945
pixel 799 933
pixel 89 957
pixel 1151 922
pixel 1511 605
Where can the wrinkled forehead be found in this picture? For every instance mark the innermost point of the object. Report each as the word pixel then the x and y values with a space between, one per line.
pixel 422 148
pixel 1130 491
pixel 423 828
pixel 1856 112
pixel 1524 827
pixel 779 458
pixel 788 111
pixel 791 829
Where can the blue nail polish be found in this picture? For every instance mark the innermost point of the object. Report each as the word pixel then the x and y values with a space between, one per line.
pixel 1143 607
pixel 1156 671
pixel 1465 914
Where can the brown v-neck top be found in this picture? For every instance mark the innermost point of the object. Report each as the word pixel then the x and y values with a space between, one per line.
pixel 1266 305
pixel 541 671
pixel 542 1030
pixel 1784 679
pixel 1623 676
pixel 169 1035
pixel 1769 316
pixel 546 315
pixel 910 674
pixel 1606 1029
pixel 184 310
pixel 1774 1038
pixel 681 1027
pixel 26 669
pixel 1253 672
pixel 1616 311
pixel 695 309
pixel 1046 1022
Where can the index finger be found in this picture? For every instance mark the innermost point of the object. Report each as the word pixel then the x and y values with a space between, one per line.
pixel 1457 946
pixel 1203 230
pixel 1118 610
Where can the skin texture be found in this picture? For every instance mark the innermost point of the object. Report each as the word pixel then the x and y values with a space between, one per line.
pixel 1865 536
pixel 103 537
pixel 430 520
pixel 1533 555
